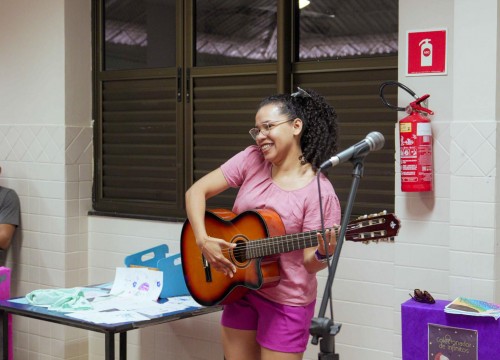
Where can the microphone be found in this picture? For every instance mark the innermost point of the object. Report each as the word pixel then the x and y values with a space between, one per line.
pixel 374 141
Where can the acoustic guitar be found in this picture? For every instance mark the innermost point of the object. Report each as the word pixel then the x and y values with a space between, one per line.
pixel 258 234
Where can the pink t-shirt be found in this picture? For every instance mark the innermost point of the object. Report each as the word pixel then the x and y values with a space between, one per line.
pixel 298 209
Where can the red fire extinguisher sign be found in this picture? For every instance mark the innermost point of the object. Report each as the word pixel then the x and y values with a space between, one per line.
pixel 426 52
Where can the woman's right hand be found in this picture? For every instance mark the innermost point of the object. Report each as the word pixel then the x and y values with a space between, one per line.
pixel 214 249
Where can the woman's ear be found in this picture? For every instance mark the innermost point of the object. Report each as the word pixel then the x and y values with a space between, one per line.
pixel 298 125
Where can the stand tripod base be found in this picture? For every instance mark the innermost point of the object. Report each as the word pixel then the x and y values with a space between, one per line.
pixel 327 349
pixel 328 357
pixel 326 330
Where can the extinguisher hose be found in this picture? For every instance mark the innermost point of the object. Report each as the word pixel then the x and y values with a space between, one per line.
pixel 402 86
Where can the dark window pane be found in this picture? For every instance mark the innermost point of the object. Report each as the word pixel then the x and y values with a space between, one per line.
pixel 139 34
pixel 333 29
pixel 230 32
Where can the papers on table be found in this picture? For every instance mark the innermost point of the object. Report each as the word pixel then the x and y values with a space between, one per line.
pixel 113 317
pixel 137 283
pixel 173 304
pixel 115 309
pixel 131 297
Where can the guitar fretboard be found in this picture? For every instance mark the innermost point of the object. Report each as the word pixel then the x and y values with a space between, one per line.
pixel 283 244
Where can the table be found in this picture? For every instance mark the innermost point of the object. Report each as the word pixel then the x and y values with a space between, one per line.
pixel 109 330
pixel 416 317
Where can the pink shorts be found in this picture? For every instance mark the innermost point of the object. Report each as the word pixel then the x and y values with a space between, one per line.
pixel 279 327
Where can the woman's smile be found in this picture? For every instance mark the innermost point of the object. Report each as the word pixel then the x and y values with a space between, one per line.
pixel 265 147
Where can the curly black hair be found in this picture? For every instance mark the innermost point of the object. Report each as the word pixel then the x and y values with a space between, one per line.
pixel 319 138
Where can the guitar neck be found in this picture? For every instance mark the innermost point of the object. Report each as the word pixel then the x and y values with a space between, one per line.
pixel 283 244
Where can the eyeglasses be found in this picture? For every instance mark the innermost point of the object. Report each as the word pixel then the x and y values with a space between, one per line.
pixel 422 296
pixel 266 128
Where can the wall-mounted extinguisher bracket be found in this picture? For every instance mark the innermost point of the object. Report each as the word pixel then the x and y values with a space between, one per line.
pixel 415 141
pixel 415 106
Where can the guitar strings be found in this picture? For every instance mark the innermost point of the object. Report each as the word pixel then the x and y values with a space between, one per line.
pixel 259 245
pixel 266 246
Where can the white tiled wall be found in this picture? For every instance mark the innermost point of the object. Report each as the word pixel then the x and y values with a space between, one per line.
pixel 448 244
pixel 50 168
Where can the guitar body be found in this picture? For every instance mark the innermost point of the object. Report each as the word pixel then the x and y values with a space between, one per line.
pixel 210 287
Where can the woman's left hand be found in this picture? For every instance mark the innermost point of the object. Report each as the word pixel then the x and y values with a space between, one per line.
pixel 331 240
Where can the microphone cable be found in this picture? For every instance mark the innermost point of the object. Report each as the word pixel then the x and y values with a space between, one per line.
pixel 323 233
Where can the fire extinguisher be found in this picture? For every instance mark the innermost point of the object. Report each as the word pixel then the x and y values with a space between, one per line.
pixel 415 142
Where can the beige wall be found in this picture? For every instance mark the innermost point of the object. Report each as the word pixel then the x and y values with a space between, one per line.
pixel 32 72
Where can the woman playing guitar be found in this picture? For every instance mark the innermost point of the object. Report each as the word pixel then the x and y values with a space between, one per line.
pixel 294 134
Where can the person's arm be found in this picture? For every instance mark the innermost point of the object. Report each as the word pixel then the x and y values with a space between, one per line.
pixel 6 234
pixel 9 217
pixel 208 186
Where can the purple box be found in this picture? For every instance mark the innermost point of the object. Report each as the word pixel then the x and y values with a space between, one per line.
pixel 415 318
pixel 5 295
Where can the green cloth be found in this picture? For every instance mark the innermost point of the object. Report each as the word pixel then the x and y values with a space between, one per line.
pixel 60 299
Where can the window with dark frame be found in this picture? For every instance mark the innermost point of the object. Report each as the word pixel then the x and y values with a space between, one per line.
pixel 177 82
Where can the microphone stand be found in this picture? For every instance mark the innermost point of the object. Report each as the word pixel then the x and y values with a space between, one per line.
pixel 322 327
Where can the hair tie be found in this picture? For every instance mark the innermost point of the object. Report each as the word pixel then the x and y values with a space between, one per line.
pixel 300 93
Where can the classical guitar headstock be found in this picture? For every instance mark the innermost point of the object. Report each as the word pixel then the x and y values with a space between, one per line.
pixel 375 227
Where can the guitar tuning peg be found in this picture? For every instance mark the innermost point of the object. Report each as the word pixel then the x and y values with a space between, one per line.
pixel 367 242
pixel 386 239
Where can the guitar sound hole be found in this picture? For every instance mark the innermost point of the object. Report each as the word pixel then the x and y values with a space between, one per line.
pixel 239 252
